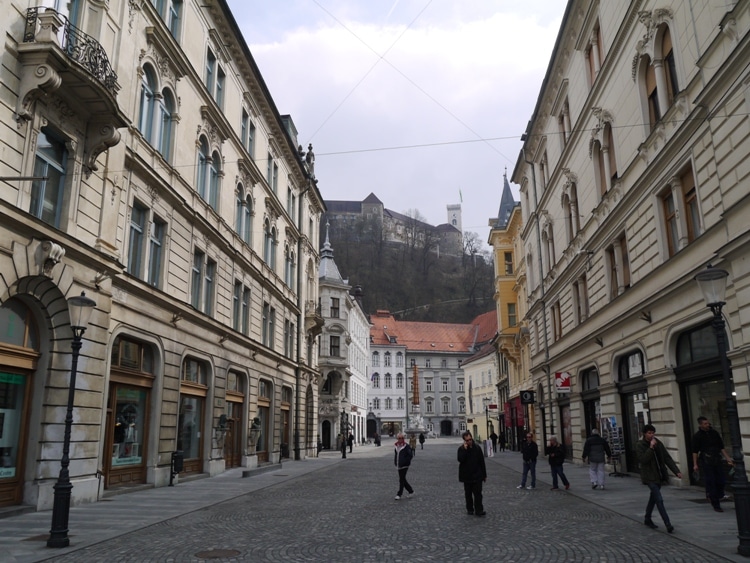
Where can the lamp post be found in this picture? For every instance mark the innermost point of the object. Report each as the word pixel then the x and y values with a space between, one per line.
pixel 80 309
pixel 343 433
pixel 713 284
pixel 486 402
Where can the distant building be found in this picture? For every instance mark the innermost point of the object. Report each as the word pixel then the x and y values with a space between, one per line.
pixel 435 352
pixel 369 216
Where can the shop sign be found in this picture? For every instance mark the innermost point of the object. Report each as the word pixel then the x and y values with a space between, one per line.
pixel 562 382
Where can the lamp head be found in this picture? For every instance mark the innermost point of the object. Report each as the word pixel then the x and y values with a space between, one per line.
pixel 713 284
pixel 80 309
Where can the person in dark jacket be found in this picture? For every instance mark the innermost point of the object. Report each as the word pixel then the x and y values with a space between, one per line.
pixel 421 440
pixel 472 473
pixel 556 457
pixel 502 440
pixel 402 459
pixel 597 450
pixel 654 460
pixel 493 437
pixel 350 442
pixel 529 451
pixel 708 451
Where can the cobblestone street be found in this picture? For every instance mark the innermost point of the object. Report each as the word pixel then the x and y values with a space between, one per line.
pixel 347 512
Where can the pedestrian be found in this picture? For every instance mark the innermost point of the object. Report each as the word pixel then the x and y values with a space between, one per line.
pixel 556 457
pixel 597 450
pixel 376 438
pixel 708 453
pixel 654 460
pixel 413 444
pixel 529 452
pixel 502 440
pixel 350 442
pixel 402 459
pixel 472 473
pixel 421 440
pixel 493 437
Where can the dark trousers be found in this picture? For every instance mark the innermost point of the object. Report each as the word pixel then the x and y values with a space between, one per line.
pixel 402 483
pixel 655 499
pixel 713 475
pixel 557 470
pixel 529 466
pixel 473 495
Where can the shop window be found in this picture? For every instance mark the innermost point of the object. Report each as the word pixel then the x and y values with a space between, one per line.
pixel 698 344
pixel 132 355
pixel 194 371
pixel 17 326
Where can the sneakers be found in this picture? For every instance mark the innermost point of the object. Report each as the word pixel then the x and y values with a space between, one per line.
pixel 520 487
pixel 670 528
pixel 593 485
pixel 411 494
pixel 650 523
pixel 601 487
pixel 529 488
pixel 398 497
pixel 567 486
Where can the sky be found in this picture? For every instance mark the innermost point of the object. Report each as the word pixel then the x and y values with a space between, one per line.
pixel 421 102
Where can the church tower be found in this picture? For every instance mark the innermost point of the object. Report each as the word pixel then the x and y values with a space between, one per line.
pixel 454 216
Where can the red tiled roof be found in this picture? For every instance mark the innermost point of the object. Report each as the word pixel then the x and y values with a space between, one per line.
pixel 432 337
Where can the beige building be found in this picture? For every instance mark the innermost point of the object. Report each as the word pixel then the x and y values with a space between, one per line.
pixel 633 179
pixel 145 163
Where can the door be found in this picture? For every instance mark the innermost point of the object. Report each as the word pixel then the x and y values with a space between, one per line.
pixel 13 422
pixel 233 437
pixel 189 436
pixel 264 413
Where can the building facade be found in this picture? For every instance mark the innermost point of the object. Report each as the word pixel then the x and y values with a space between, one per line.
pixel 343 356
pixel 146 164
pixel 632 178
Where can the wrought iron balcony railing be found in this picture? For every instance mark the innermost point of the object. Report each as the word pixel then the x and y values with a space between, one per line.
pixel 78 46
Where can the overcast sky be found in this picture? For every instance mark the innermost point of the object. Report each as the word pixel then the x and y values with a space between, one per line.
pixel 421 102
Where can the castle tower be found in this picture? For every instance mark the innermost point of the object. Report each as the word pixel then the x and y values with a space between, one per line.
pixel 454 216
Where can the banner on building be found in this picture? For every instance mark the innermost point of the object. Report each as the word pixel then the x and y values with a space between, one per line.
pixel 508 418
pixel 562 382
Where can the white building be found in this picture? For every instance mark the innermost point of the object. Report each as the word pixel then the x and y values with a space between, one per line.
pixel 149 168
pixel 343 356
pixel 633 178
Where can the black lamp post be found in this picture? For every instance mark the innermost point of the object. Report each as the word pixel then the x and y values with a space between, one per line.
pixel 343 433
pixel 486 402
pixel 713 284
pixel 80 309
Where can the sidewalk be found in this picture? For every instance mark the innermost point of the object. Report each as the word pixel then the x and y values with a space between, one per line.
pixel 691 514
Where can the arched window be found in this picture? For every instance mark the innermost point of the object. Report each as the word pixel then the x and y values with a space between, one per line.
pixel 399 381
pixel 213 181
pixel 163 141
pixel 202 176
pixel 247 235
pixel 239 210
pixel 375 381
pixel 146 111
pixel 375 359
pixel 17 325
pixel 387 381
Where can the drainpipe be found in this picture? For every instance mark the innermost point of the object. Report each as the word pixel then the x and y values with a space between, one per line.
pixel 300 327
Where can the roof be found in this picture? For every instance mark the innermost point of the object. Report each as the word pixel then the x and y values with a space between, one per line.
pixel 328 270
pixel 507 204
pixel 432 337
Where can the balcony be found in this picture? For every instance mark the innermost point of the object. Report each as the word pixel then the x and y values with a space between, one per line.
pixel 67 68
pixel 314 321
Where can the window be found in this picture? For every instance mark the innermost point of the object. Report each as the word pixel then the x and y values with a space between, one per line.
pixel 290 202
pixel 667 55
pixel 147 103
pixel 375 382
pixel 335 313
pixel 51 162
pixel 197 275
pixel 288 339
pixel 269 246
pixel 428 384
pixel 427 362
pixel 174 16
pixel 556 321
pixel 631 366
pixel 376 403
pixel 194 371
pixel 400 403
pixel 388 403
pixel 658 77
pixel 461 406
pixel 244 125
pixel 335 348
pixel 680 212
pixel 210 77
pixel 580 299
pixel 387 381
pixel 512 314
pixel 563 123
pixel 508 263
pixel 375 359
pixel 652 96
pixel 290 268
pixel 208 175
pixel 446 406
pixel 594 54
pixel 428 406
pixel 444 385
pixel 460 385
pixel 162 139
pixel 548 247
pixel 269 320
pixel 399 381
pixel 156 244
pixel 670 223
pixel 399 360
pixel 220 85
pixel 412 362
pixel 138 219
pixel 618 271
pixel 251 140
pixel 241 308
pixel 209 288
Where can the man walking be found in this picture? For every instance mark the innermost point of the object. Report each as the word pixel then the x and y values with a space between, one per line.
pixel 708 452
pixel 402 460
pixel 655 459
pixel 556 456
pixel 472 473
pixel 597 450
pixel 493 437
pixel 529 452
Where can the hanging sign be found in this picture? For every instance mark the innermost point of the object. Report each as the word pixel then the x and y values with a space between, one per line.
pixel 562 382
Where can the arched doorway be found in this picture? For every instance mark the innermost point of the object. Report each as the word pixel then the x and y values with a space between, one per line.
pixel 19 345
pixel 446 428
pixel 326 434
pixel 372 427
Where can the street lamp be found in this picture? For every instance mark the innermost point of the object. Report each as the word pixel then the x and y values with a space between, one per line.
pixel 343 433
pixel 713 284
pixel 80 309
pixel 486 402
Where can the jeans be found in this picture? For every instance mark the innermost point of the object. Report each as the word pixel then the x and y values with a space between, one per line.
pixel 402 483
pixel 529 466
pixel 713 475
pixel 596 472
pixel 557 470
pixel 473 495
pixel 655 498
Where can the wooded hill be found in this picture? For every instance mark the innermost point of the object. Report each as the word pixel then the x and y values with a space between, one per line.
pixel 413 280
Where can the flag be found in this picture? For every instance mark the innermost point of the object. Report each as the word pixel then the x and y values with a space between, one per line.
pixel 460 195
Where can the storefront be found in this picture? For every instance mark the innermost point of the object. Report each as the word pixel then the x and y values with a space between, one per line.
pixel 193 392
pixel 633 392
pixel 234 411
pixel 264 413
pixel 19 352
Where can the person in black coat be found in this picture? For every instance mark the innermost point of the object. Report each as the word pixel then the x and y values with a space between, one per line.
pixel 529 452
pixel 402 459
pixel 556 456
pixel 472 473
